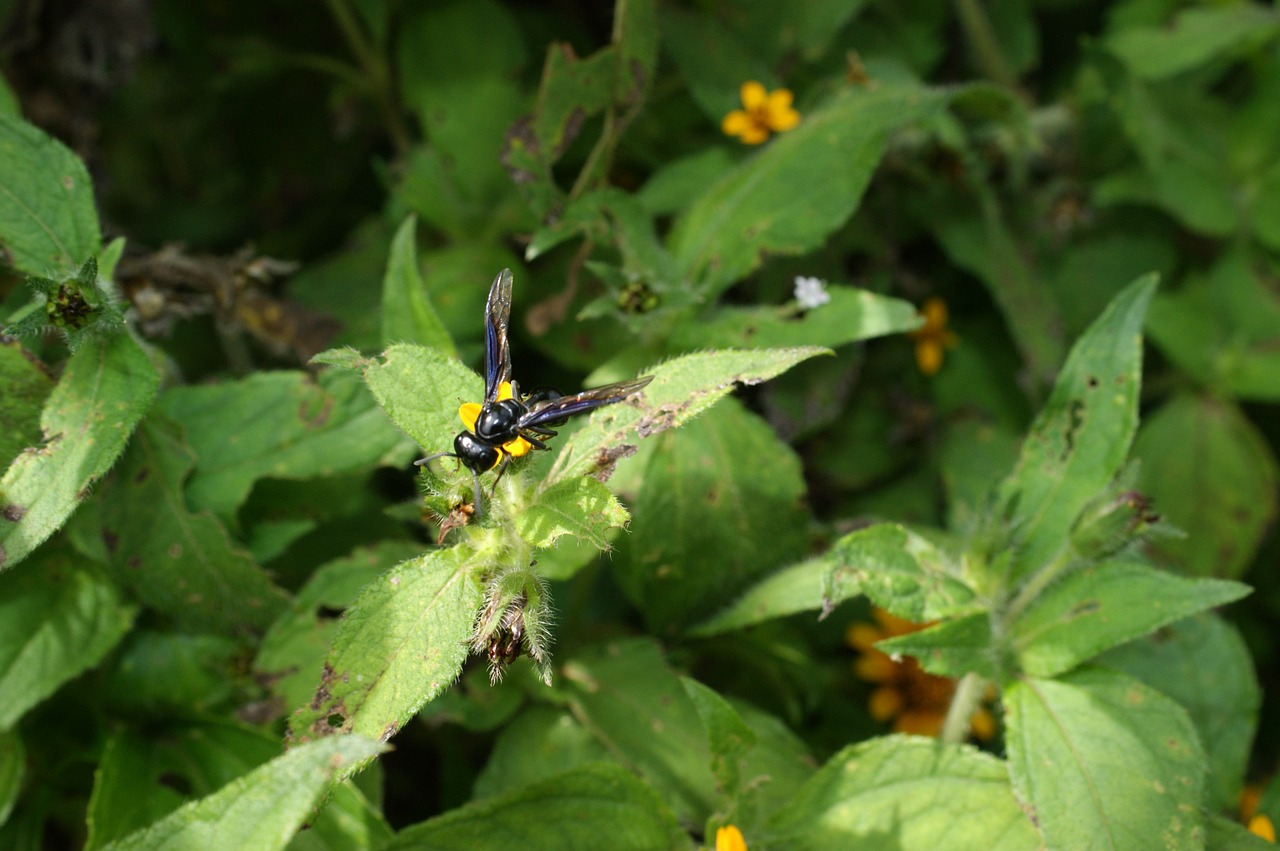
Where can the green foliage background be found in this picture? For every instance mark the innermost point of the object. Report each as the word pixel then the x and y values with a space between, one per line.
pixel 244 256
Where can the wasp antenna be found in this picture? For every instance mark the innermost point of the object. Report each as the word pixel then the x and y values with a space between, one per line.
pixel 421 461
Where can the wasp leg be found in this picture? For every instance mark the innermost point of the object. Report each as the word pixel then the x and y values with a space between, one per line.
pixel 545 432
pixel 502 468
pixel 533 441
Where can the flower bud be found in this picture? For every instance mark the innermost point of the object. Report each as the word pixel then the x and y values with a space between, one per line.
pixel 1110 523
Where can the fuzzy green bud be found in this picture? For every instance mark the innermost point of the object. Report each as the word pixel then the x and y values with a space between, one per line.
pixel 1110 523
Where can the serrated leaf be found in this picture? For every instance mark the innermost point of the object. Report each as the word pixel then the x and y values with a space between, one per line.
pixel 721 503
pixel 850 315
pixel 1203 663
pixel 183 564
pixel 901 572
pixel 1212 474
pixel 580 507
pixel 952 648
pixel 105 388
pixel 58 618
pixel 26 384
pixel 48 218
pixel 921 792
pixel 789 197
pixel 197 758
pixel 624 691
pixel 292 653
pixel 582 808
pixel 407 313
pixel 420 389
pixel 261 810
pixel 681 389
pixel 1081 438
pixel 401 644
pixel 797 588
pixel 284 425
pixel 1102 761
pixel 1099 607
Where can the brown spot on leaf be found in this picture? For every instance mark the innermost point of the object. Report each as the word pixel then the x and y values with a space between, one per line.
pixel 607 459
pixel 134 562
pixel 572 127
pixel 520 150
pixel 141 476
pixel 1092 381
pixel 321 417
pixel 110 540
pixel 13 513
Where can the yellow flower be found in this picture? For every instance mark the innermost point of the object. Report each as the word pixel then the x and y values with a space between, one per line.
pixel 932 338
pixel 1258 824
pixel 729 838
pixel 916 701
pixel 762 113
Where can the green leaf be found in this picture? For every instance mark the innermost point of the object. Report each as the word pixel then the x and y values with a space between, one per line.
pixel 758 763
pixel 284 425
pixel 623 692
pixel 400 645
pixel 1195 37
pixel 1100 760
pixel 457 66
pixel 952 648
pixel 196 758
pixel 105 388
pixel 593 806
pixel 721 504
pixel 901 572
pixel 681 389
pixel 797 588
pixel 904 792
pixel 291 655
pixel 1102 606
pixel 788 198
pixel 713 60
pixel 1212 474
pixel 407 313
pixel 1228 835
pixel 540 741
pixel 26 384
pixel 984 243
pixel 1079 441
pixel 261 810
pixel 581 507
pixel 420 389
pixel 849 316
pixel 48 219
pixel 182 564
pixel 1203 663
pixel 1223 329
pixel 58 618
pixel 13 769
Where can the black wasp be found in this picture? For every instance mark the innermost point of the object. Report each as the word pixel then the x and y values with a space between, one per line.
pixel 507 425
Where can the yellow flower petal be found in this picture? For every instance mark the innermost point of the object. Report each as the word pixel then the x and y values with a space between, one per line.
pixel 862 636
pixel 983 725
pixel 729 838
pixel 920 723
pixel 778 112
pixel 753 95
pixel 875 667
pixel 1260 825
pixel 929 356
pixel 885 703
pixel 935 314
pixel 736 123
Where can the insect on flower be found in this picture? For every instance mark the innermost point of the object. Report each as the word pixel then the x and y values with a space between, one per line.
pixel 508 424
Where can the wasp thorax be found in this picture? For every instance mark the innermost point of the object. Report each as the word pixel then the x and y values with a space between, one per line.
pixel 478 456
pixel 497 421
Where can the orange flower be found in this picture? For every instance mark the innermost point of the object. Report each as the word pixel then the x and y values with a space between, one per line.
pixel 762 113
pixel 1257 823
pixel 729 838
pixel 932 338
pixel 916 701
pixel 1260 825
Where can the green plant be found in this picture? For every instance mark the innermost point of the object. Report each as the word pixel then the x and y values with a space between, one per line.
pixel 234 614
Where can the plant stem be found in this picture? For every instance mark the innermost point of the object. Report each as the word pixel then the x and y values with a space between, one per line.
pixel 955 728
pixel 986 46
pixel 376 70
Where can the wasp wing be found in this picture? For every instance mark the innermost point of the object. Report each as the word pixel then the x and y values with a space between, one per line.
pixel 497 351
pixel 549 410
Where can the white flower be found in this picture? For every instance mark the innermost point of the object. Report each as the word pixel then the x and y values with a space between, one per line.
pixel 811 293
